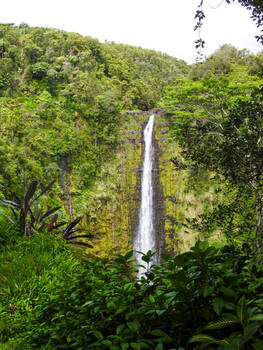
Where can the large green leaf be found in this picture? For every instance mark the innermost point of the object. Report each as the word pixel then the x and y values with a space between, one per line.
pixel 218 304
pixel 133 326
pixel 124 346
pixel 258 317
pixel 250 330
pixel 241 309
pixel 159 333
pixel 208 290
pixel 164 337
pixel 203 338
pixel 98 334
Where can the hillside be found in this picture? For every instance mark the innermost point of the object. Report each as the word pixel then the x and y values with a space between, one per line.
pixel 215 116
pixel 72 115
pixel 61 98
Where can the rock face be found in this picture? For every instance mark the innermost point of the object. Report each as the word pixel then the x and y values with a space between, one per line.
pixel 170 186
pixel 110 209
pixel 113 205
pixel 182 194
pixel 155 111
pixel 158 198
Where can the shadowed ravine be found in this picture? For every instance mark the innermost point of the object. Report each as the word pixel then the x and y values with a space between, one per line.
pixel 145 239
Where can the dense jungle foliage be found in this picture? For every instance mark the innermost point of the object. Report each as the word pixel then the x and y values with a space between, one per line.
pixel 61 98
pixel 216 116
pixel 52 298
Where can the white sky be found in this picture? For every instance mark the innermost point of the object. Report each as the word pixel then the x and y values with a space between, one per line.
pixel 163 25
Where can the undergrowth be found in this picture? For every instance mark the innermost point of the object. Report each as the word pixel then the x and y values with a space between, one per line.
pixel 53 297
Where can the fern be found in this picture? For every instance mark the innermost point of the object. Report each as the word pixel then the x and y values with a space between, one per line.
pixel 221 323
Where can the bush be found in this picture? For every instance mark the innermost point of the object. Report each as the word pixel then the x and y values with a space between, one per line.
pixel 100 304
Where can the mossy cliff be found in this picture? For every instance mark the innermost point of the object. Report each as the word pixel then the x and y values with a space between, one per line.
pixel 184 193
pixel 110 208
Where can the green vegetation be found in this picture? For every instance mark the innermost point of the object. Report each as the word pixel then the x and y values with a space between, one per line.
pixel 216 118
pixel 52 298
pixel 61 95
pixel 61 98
pixel 67 149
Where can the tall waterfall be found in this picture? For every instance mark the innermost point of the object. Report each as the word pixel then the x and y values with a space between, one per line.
pixel 145 239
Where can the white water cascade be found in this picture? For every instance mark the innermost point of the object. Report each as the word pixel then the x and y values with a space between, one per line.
pixel 145 239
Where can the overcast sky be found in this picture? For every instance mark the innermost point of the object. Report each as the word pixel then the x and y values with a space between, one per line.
pixel 163 25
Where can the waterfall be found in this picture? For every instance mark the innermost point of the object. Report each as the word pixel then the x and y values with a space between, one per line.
pixel 145 239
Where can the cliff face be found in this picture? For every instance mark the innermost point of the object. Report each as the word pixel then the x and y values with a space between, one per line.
pixel 186 194
pixel 111 208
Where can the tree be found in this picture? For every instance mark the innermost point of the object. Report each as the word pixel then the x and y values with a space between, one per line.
pixel 224 135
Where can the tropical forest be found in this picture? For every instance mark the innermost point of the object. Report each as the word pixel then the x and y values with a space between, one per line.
pixel 92 258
